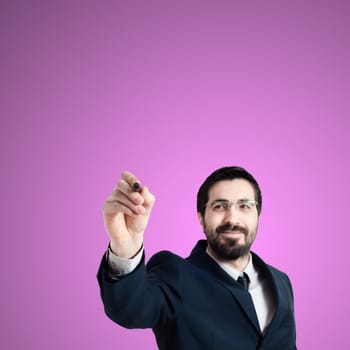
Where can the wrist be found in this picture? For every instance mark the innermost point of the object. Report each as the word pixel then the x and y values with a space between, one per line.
pixel 125 252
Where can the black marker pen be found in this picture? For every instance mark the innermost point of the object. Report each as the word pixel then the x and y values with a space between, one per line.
pixel 136 186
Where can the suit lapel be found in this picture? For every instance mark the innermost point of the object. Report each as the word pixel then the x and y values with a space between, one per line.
pixel 280 292
pixel 244 299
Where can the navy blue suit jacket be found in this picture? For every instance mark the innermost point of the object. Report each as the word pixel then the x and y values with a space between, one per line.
pixel 192 304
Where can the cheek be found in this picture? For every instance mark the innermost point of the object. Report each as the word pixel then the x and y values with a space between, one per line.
pixel 253 224
pixel 212 221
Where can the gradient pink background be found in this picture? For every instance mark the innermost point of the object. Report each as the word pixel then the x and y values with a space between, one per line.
pixel 170 91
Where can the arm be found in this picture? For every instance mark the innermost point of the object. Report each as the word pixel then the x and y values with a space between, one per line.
pixel 126 294
pixel 147 296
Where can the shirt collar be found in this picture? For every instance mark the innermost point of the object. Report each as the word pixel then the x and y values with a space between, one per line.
pixel 234 273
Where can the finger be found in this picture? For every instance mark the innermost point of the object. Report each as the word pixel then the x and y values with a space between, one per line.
pixel 114 207
pixel 118 196
pixel 149 199
pixel 132 180
pixel 124 188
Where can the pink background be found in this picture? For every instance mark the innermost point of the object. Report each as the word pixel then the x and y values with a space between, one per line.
pixel 170 91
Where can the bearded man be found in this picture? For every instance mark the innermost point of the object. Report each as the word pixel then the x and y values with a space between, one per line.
pixel 223 296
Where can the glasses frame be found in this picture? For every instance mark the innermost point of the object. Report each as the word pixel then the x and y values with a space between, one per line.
pixel 231 204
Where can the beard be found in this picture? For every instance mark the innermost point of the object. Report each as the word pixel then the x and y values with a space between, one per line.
pixel 228 248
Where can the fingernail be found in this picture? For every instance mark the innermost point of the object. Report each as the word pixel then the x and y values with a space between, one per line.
pixel 140 209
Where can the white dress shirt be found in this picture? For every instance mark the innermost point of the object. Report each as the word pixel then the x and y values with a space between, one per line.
pixel 259 289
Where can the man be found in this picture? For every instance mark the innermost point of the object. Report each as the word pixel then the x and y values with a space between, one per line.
pixel 223 296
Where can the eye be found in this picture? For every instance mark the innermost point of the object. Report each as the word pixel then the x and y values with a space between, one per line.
pixel 246 205
pixel 218 207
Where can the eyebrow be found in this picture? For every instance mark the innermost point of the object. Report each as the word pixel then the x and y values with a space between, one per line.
pixel 226 200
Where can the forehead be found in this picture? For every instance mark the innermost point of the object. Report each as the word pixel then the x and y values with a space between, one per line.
pixel 231 190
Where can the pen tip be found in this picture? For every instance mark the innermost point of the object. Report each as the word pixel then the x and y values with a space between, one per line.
pixel 136 186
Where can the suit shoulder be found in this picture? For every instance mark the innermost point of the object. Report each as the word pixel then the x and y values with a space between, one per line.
pixel 258 261
pixel 166 269
pixel 279 274
pixel 282 277
pixel 277 271
pixel 164 258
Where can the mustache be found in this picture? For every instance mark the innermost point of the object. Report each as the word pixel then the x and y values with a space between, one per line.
pixel 230 227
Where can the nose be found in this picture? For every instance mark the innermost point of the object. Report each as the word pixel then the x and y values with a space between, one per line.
pixel 232 215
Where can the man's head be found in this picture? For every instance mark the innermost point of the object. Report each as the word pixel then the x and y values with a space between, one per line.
pixel 228 205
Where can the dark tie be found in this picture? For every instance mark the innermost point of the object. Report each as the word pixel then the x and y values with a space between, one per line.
pixel 244 281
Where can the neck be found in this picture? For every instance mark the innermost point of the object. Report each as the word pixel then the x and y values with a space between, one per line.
pixel 238 264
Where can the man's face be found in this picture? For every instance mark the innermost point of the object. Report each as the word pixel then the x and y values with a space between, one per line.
pixel 231 232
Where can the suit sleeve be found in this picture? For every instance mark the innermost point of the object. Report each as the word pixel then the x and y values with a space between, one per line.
pixel 146 297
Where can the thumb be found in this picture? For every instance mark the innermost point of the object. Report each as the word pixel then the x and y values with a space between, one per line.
pixel 149 199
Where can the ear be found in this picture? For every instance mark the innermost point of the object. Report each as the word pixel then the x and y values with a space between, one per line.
pixel 200 218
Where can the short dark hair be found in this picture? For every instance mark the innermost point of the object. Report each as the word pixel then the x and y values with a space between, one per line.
pixel 226 173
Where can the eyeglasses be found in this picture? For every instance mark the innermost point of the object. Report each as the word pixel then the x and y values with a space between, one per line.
pixel 242 205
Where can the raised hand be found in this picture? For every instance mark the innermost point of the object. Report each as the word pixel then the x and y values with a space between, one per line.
pixel 126 213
